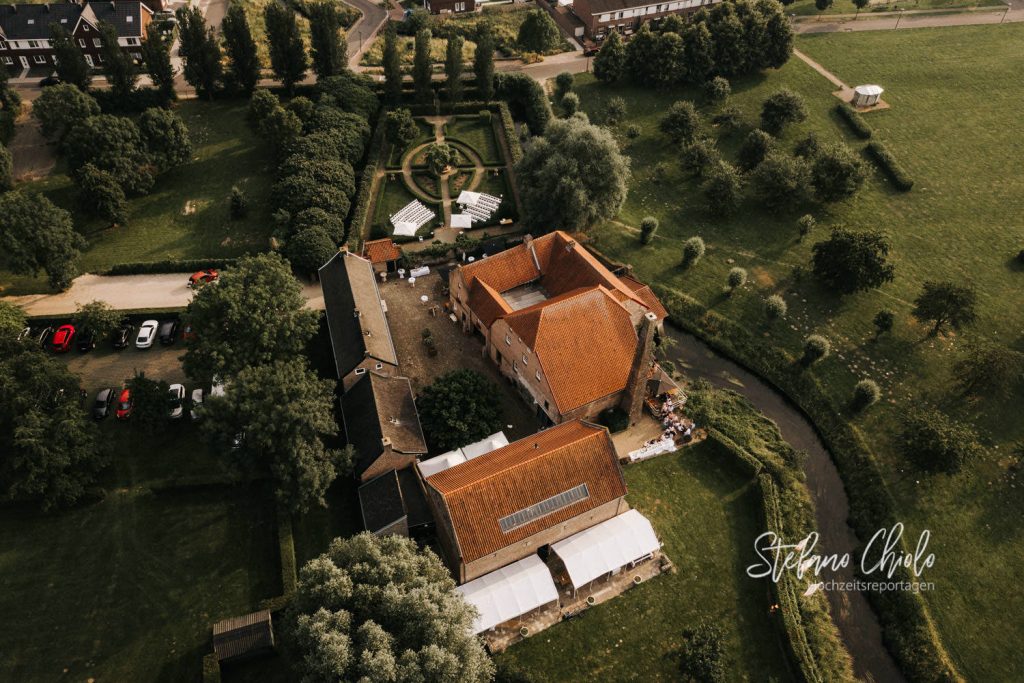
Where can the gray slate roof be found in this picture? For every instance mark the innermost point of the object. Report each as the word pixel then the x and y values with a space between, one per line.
pixel 32 22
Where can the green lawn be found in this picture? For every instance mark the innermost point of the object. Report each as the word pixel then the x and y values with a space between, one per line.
pixel 807 7
pixel 127 589
pixel 954 124
pixel 478 135
pixel 186 215
pixel 706 516
pixel 391 197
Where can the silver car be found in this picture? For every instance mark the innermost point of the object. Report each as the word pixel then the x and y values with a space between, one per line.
pixel 175 401
pixel 147 333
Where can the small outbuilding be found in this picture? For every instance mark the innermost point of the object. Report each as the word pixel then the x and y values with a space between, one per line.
pixel 249 635
pixel 866 95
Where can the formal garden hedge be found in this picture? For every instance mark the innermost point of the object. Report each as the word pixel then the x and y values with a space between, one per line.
pixel 364 193
pixel 168 266
pixel 854 120
pixel 907 627
pixel 890 167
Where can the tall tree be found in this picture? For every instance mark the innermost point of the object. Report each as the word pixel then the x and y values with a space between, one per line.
pixel 287 53
pixel 392 66
pixel 781 108
pixel 330 51
pixel 308 249
pixel 849 262
pixel 538 33
pixel 699 49
pixel 836 173
pixel 149 402
pixel 118 67
pixel 573 177
pixel 275 437
pixel 946 303
pixel 730 47
pixel 71 65
pixel 60 107
pixel 610 61
pixel 422 67
pixel 935 442
pixel 97 316
pixel 401 128
pixel 113 144
pixel 243 58
pixel 37 235
pixel 642 55
pixel 988 369
pixel 99 194
pixel 157 57
pixel 781 181
pixel 382 609
pixel 6 169
pixel 201 51
pixel 459 408
pixel 483 61
pixel 165 137
pixel 254 316
pixel 778 42
pixel 453 68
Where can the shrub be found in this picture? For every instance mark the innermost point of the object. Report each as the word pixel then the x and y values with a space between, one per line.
pixel 701 658
pixel 935 442
pixel 755 147
pixel 890 167
pixel 693 250
pixel 699 156
pixel 737 278
pixel 648 227
pixel 806 224
pixel 816 348
pixel 681 123
pixel 729 119
pixel 717 89
pixel 883 322
pixel 522 91
pixel 723 188
pixel 807 147
pixel 570 103
pixel 633 132
pixel 615 111
pixel 865 394
pixel 484 116
pixel 854 120
pixel 1020 256
pixel 775 307
pixel 563 84
pixel 168 266
pixel 238 203
pixel 781 108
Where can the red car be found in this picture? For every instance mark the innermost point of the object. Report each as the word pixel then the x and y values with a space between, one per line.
pixel 62 338
pixel 202 277
pixel 125 404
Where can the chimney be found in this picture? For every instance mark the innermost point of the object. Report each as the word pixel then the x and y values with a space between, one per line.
pixel 636 387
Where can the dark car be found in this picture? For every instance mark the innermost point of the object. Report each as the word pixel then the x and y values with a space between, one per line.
pixel 53 79
pixel 168 332
pixel 43 336
pixel 591 50
pixel 86 340
pixel 122 336
pixel 104 402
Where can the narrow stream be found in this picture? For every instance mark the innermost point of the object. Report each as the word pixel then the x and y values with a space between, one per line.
pixel 857 623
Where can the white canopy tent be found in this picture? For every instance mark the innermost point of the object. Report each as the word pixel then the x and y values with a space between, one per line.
pixel 468 198
pixel 405 229
pixel 462 220
pixel 509 592
pixel 450 459
pixel 607 547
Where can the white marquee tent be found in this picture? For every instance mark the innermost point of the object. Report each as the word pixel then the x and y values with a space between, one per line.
pixel 467 198
pixel 405 229
pixel 607 547
pixel 450 459
pixel 462 220
pixel 509 592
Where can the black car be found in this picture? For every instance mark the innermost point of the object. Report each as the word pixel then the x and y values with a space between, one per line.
pixel 168 332
pixel 86 340
pixel 105 399
pixel 53 79
pixel 123 336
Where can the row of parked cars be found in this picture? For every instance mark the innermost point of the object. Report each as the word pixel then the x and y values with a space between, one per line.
pixel 121 403
pixel 65 337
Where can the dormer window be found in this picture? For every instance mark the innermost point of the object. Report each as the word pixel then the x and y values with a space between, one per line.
pixel 508 339
pixel 537 375
pixel 360 371
pixel 378 366
pixel 526 361
pixel 129 19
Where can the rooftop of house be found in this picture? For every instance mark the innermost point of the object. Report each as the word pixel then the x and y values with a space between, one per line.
pixel 532 484
pixel 375 408
pixel 584 342
pixel 600 6
pixel 381 251
pixel 355 314
pixel 32 22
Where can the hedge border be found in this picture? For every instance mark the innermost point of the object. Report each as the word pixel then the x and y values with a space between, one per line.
pixel 890 167
pixel 364 195
pixel 854 120
pixel 508 125
pixel 167 266
pixel 908 630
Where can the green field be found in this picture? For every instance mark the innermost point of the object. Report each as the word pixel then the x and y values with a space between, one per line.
pixel 706 516
pixel 807 8
pixel 186 215
pixel 955 96
pixel 127 588
pixel 478 135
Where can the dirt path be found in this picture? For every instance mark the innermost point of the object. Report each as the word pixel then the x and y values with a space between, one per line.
pixel 820 69
pixel 32 155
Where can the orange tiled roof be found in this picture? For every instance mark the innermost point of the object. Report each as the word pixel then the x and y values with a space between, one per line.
pixel 381 251
pixel 481 491
pixel 504 270
pixel 584 341
pixel 486 302
pixel 646 295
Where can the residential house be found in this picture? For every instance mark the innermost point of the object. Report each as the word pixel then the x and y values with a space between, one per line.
pixel 512 502
pixel 451 6
pixel 575 338
pixel 25 30
pixel 601 17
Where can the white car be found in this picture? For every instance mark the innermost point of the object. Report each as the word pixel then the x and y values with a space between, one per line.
pixel 175 398
pixel 147 333
pixel 197 403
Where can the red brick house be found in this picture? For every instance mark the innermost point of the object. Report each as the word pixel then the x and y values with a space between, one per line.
pixel 25 30
pixel 450 6
pixel 600 17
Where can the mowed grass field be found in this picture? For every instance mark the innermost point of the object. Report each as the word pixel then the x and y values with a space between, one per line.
pixel 186 215
pixel 807 7
pixel 127 589
pixel 706 516
pixel 955 97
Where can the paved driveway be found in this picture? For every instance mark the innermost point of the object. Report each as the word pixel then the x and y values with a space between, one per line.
pixel 105 367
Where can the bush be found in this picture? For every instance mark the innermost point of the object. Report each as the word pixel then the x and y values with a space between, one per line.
pixel 522 91
pixel 614 111
pixel 935 442
pixel 737 278
pixel 755 147
pixel 854 120
pixel 816 348
pixel 693 251
pixel 681 123
pixel 775 307
pixel 806 224
pixel 563 84
pixel 781 108
pixel 890 167
pixel 570 103
pixel 865 394
pixel 615 419
pixel 807 147
pixel 701 657
pixel 723 188
pixel 648 227
pixel 730 119
pixel 633 132
pixel 168 266
pixel 717 89
pixel 484 116
pixel 239 203
pixel 699 156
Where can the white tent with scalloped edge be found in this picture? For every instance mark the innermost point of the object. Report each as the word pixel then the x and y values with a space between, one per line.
pixel 607 547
